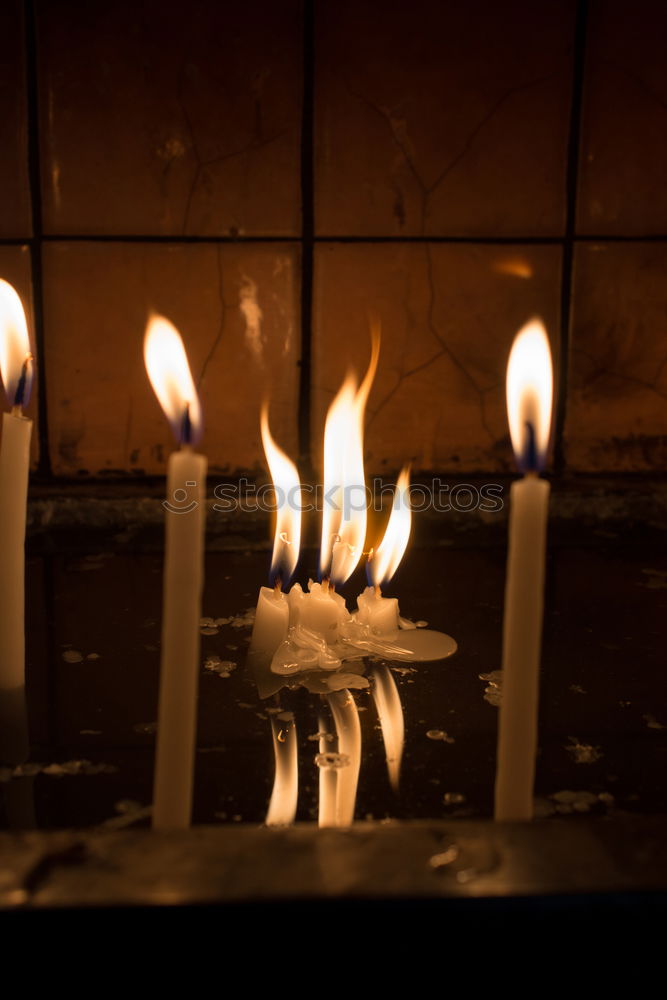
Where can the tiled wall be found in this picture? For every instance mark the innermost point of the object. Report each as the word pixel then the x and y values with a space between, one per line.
pixel 267 173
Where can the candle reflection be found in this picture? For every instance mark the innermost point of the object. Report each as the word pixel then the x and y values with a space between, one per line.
pixel 328 777
pixel 392 723
pixel 346 718
pixel 282 807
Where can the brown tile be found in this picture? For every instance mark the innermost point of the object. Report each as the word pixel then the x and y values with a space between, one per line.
pixel 617 403
pixel 623 148
pixel 457 128
pixel 161 121
pixel 14 187
pixel 449 314
pixel 104 418
pixel 15 267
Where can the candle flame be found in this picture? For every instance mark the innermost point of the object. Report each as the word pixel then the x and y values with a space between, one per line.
pixel 16 360
pixel 387 556
pixel 529 390
pixel 344 508
pixel 287 487
pixel 284 797
pixel 169 373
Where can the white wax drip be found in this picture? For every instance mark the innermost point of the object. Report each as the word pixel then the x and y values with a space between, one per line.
pixel 305 650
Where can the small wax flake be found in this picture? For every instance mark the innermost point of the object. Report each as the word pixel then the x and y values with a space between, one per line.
pixel 145 727
pixel 439 734
pixel 583 753
pixel 493 693
pixel 332 761
pixel 222 668
pixel 453 798
pixel 72 656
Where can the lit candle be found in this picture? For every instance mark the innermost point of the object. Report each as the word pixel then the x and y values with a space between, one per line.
pixel 344 509
pixel 272 615
pixel 16 369
pixel 321 610
pixel 380 613
pixel 529 404
pixel 171 378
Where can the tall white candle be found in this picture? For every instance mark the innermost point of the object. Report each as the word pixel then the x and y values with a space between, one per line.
pixel 170 375
pixel 16 363
pixel 529 402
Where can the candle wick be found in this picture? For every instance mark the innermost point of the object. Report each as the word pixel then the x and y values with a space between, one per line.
pixel 530 450
pixel 186 426
pixel 21 386
pixel 378 592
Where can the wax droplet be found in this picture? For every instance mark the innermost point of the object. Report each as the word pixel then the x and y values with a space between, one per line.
pixel 439 734
pixel 583 753
pixel 331 760
pixel 145 727
pixel 72 656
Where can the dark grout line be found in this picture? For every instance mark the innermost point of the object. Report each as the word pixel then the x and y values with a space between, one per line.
pixel 44 465
pixel 296 239
pixel 647 238
pixel 307 232
pixel 145 238
pixel 567 275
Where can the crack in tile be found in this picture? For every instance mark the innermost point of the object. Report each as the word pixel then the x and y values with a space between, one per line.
pixel 600 370
pixel 426 190
pixel 221 325
pixel 258 141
